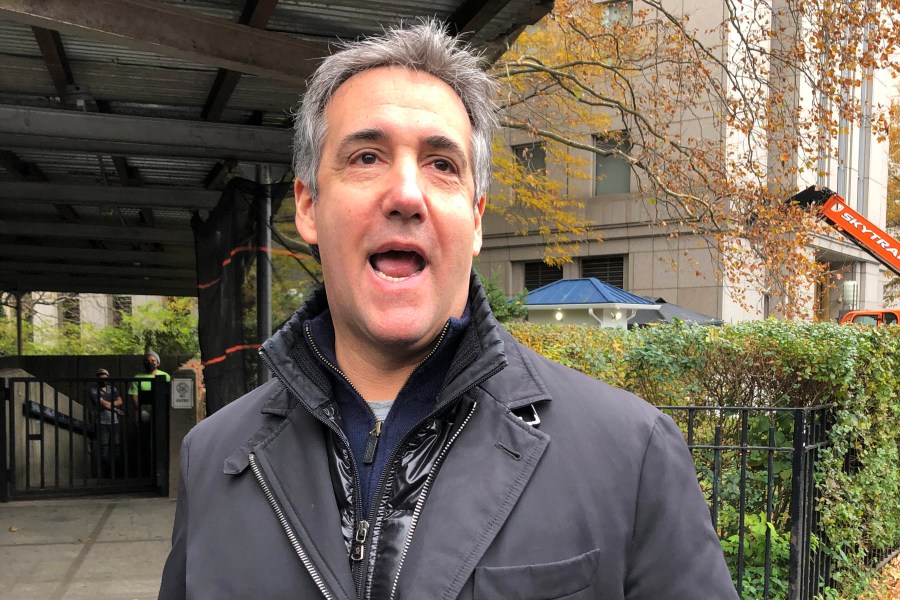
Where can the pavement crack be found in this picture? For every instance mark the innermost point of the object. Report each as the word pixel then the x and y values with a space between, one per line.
pixel 85 550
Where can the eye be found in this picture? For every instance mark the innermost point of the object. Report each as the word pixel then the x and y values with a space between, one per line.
pixel 367 158
pixel 444 165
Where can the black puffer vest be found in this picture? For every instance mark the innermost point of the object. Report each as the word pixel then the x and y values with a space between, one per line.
pixel 376 550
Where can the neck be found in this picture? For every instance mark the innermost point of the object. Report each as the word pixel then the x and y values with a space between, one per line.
pixel 376 374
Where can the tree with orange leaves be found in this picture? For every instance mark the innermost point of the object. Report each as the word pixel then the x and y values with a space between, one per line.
pixel 726 117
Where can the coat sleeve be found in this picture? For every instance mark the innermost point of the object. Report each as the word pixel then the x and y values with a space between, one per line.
pixel 174 580
pixel 675 552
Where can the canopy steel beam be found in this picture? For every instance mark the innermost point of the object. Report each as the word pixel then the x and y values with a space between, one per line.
pixel 68 283
pixel 184 258
pixel 97 232
pixel 24 127
pixel 98 195
pixel 20 169
pixel 55 57
pixel 116 271
pixel 176 32
pixel 256 14
pixel 472 15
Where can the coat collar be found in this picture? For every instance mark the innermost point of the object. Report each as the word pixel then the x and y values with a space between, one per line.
pixel 482 354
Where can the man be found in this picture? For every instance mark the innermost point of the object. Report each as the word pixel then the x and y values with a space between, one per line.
pixel 143 396
pixel 495 473
pixel 141 392
pixel 107 401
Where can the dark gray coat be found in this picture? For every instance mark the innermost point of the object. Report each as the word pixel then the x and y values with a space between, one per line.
pixel 600 500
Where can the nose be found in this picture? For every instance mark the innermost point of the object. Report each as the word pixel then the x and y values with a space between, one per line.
pixel 405 196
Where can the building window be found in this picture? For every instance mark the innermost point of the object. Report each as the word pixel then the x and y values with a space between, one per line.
pixel 539 274
pixel 617 11
pixel 612 173
pixel 69 309
pixel 531 156
pixel 608 269
pixel 121 307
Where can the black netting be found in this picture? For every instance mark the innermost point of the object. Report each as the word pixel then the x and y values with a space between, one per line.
pixel 226 248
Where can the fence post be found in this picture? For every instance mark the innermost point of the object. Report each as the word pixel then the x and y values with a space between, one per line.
pixel 798 492
pixel 161 433
pixel 5 396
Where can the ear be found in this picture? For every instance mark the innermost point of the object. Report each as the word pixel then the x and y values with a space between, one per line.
pixel 479 213
pixel 305 214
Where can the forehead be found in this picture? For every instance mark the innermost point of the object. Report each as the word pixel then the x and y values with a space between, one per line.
pixel 395 95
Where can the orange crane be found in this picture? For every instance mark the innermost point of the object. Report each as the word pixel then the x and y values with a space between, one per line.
pixel 868 236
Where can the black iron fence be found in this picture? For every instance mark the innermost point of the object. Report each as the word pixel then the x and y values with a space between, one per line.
pixel 71 436
pixel 757 467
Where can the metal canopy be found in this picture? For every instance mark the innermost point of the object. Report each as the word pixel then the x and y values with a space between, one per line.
pixel 121 118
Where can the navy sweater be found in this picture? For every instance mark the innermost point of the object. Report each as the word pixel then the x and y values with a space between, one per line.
pixel 414 402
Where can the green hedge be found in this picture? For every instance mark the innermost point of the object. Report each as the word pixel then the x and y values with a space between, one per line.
pixel 773 364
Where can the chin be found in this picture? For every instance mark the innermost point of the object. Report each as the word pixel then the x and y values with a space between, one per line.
pixel 404 336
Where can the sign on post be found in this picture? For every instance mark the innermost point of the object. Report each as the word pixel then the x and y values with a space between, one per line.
pixel 182 393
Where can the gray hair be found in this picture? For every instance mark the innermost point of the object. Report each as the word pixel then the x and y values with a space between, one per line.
pixel 425 47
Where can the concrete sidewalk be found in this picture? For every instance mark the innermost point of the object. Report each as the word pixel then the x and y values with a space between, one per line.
pixel 99 548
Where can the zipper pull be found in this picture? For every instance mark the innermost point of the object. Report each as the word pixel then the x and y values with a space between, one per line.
pixel 359 541
pixel 372 444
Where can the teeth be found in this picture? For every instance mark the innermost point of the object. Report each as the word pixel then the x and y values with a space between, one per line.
pixel 389 278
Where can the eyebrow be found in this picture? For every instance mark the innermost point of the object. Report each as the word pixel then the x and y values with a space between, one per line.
pixel 373 134
pixel 441 142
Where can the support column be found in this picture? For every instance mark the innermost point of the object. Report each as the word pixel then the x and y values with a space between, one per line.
pixel 19 343
pixel 263 264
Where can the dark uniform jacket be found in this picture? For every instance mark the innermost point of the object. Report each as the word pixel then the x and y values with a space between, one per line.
pixel 528 481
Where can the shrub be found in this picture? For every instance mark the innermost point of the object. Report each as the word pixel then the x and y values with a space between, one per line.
pixel 771 364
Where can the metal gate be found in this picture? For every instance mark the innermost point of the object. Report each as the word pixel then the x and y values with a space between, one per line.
pixel 60 437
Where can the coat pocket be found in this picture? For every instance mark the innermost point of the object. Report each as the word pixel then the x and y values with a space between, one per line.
pixel 556 580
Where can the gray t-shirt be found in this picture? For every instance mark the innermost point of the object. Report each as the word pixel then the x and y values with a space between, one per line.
pixel 381 408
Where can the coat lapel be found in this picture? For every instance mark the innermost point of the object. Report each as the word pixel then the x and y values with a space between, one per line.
pixel 296 470
pixel 473 494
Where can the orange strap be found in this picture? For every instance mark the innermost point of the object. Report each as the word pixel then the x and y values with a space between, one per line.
pixel 228 351
pixel 236 250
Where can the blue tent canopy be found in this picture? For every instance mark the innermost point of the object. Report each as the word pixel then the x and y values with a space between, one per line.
pixel 586 290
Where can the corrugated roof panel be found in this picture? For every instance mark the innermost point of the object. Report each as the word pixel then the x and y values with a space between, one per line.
pixel 172 172
pixel 149 109
pixel 87 50
pixel 257 93
pixel 26 76
pixel 171 216
pixel 348 19
pixel 18 40
pixel 278 119
pixel 69 166
pixel 223 9
pixel 144 84
pixel 587 290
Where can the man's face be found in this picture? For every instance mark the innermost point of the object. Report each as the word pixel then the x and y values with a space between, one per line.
pixel 395 221
pixel 152 360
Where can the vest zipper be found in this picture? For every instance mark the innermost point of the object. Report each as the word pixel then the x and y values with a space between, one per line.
pixel 423 495
pixel 360 546
pixel 304 558
pixel 372 443
pixel 361 524
pixel 357 504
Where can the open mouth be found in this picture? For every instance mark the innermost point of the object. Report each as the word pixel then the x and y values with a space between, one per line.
pixel 397 265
